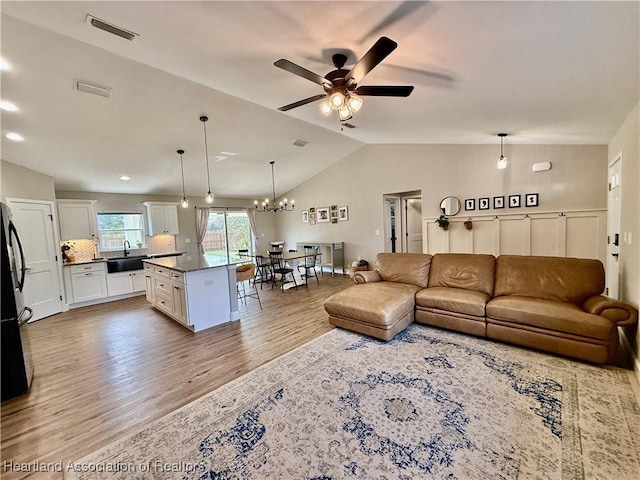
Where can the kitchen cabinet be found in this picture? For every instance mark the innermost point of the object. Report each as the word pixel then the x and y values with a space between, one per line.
pixel 88 282
pixel 125 282
pixel 77 219
pixel 162 218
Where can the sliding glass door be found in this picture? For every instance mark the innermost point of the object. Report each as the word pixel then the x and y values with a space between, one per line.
pixel 227 232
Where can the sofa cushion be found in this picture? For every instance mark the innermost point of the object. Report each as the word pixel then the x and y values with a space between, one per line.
pixel 411 268
pixel 453 300
pixel 463 270
pixel 549 315
pixel 380 304
pixel 553 278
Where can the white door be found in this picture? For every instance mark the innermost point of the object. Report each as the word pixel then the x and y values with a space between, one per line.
pixel 34 221
pixel 413 222
pixel 613 228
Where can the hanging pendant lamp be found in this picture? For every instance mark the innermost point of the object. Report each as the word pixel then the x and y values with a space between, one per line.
pixel 184 203
pixel 502 161
pixel 209 197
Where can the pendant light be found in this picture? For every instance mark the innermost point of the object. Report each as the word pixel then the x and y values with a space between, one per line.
pixel 502 161
pixel 209 197
pixel 184 203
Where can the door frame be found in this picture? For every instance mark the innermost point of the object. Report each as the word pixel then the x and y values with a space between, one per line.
pixel 56 240
pixel 609 279
pixel 387 200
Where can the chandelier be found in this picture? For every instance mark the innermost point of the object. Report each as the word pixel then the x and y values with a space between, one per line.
pixel 283 206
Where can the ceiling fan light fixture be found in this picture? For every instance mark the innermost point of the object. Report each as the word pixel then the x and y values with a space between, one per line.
pixel 337 100
pixel 344 113
pixel 354 102
pixel 326 108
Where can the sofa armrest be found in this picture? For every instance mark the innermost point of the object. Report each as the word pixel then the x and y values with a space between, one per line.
pixel 366 276
pixel 621 313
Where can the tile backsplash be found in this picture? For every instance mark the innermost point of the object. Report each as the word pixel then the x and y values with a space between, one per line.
pixel 85 250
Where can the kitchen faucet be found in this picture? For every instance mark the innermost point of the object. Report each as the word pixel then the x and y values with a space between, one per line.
pixel 126 243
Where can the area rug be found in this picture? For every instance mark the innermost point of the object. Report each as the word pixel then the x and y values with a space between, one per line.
pixel 428 404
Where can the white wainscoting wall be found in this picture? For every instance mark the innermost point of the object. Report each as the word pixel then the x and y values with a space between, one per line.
pixel 578 233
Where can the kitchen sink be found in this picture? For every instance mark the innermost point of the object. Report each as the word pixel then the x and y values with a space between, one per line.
pixel 125 264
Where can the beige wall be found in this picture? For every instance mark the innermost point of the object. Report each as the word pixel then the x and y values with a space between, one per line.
pixel 116 202
pixel 576 181
pixel 20 182
pixel 627 142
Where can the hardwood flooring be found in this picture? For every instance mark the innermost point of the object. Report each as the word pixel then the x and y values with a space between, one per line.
pixel 105 370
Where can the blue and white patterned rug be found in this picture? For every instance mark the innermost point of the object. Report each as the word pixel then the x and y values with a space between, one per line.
pixel 428 404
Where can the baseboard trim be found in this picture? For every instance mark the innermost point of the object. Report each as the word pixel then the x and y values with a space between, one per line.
pixel 636 361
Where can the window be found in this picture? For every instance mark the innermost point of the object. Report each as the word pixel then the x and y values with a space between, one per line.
pixel 227 232
pixel 115 228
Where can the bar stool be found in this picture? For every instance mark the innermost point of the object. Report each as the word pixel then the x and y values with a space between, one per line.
pixel 246 272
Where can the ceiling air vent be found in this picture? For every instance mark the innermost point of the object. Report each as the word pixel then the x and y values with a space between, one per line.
pixel 111 28
pixel 300 143
pixel 349 125
pixel 92 89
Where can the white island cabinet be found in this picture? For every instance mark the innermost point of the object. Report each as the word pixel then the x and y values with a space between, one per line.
pixel 196 290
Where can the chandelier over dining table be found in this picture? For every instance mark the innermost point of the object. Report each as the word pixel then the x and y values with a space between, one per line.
pixel 283 206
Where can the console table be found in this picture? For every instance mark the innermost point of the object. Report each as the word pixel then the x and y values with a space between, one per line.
pixel 332 254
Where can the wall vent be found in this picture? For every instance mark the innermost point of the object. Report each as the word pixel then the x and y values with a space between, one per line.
pixel 92 89
pixel 111 28
pixel 300 143
pixel 349 125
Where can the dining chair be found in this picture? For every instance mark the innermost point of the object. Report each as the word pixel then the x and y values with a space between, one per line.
pixel 278 267
pixel 309 266
pixel 245 273
pixel 263 267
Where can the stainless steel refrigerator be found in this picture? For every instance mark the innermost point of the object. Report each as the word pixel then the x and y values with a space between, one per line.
pixel 17 367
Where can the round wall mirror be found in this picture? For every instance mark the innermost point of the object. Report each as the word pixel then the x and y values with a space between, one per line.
pixel 450 206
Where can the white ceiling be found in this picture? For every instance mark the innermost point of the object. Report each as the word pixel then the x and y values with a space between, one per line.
pixel 546 72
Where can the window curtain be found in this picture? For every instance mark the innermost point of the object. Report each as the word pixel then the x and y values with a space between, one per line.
pixel 251 213
pixel 202 219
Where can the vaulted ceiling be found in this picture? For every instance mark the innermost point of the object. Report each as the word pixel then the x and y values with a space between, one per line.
pixel 546 72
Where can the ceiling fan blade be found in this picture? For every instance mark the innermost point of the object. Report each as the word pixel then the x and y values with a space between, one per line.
pixel 385 91
pixel 405 9
pixel 302 72
pixel 383 47
pixel 302 102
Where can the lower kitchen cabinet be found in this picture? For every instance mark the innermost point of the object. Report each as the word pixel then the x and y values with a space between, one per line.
pixel 88 282
pixel 122 283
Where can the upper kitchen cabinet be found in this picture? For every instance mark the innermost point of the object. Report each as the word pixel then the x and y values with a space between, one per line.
pixel 77 219
pixel 162 218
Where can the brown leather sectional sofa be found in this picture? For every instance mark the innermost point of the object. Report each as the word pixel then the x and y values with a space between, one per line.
pixel 552 304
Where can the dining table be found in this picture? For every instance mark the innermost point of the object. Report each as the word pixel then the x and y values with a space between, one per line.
pixel 286 256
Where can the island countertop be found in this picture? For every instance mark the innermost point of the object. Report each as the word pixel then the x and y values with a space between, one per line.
pixel 190 262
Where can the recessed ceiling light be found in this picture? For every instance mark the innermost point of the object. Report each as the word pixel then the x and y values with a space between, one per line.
pixel 125 177
pixel 8 106
pixel 4 65
pixel 16 137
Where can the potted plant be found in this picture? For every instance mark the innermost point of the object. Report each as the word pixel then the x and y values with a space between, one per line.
pixel 443 222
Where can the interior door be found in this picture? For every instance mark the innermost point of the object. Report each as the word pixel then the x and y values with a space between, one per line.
pixel 413 223
pixel 34 222
pixel 613 228
pixel 391 224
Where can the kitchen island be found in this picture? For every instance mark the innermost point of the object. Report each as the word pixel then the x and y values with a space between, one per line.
pixel 197 290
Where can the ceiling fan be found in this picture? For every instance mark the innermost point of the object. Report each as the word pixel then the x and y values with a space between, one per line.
pixel 342 93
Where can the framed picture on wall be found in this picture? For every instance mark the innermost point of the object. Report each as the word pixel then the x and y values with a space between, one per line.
pixel 483 203
pixel 343 214
pixel 498 202
pixel 322 215
pixel 305 216
pixel 514 201
pixel 470 204
pixel 531 200
pixel 334 213
pixel 312 218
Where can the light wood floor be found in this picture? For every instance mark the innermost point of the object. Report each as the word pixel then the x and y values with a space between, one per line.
pixel 105 370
